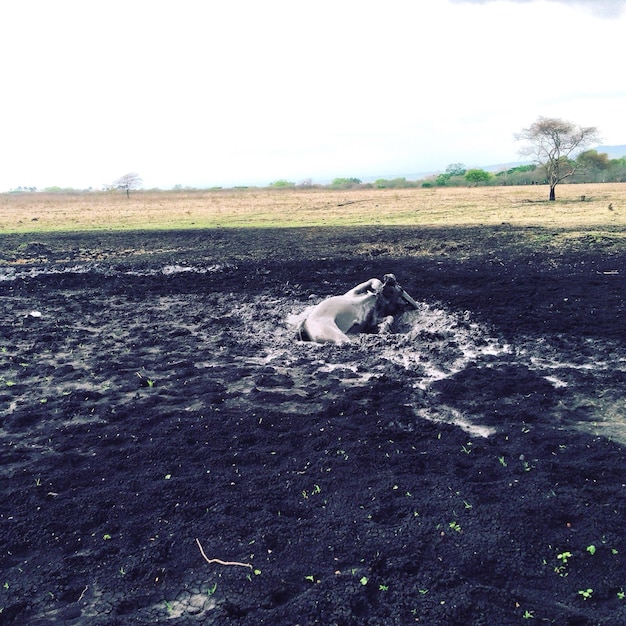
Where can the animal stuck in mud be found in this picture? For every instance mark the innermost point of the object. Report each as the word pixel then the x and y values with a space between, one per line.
pixel 368 307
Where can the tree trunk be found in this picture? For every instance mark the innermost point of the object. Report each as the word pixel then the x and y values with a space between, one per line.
pixel 552 194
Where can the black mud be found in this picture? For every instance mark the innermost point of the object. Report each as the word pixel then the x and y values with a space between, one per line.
pixel 151 400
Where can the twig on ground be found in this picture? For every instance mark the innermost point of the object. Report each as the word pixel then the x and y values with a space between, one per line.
pixel 208 560
pixel 354 202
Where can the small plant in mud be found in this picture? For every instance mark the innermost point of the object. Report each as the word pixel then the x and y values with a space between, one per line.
pixel 585 593
pixel 502 461
pixel 145 382
pixel 456 526
pixel 315 491
pixel 591 549
pixel 564 557
pixel 528 614
pixel 621 594
pixel 211 590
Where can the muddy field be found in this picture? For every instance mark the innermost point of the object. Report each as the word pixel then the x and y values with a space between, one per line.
pixel 467 468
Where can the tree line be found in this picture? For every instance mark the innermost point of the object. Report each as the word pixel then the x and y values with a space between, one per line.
pixel 557 148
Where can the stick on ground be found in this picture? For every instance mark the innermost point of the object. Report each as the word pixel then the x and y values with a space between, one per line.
pixel 208 560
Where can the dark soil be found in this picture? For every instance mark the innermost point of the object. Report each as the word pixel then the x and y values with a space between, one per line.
pixel 467 469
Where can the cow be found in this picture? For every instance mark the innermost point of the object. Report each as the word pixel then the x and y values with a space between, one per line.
pixel 363 309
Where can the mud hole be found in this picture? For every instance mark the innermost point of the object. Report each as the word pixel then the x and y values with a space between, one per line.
pixel 436 474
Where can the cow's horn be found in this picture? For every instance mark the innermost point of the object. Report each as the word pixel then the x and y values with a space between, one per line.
pixel 410 300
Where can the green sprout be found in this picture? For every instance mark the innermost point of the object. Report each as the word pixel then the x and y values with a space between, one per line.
pixel 591 549
pixel 564 556
pixel 585 593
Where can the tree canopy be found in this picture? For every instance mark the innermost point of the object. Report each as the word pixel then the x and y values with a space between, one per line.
pixel 477 176
pixel 129 181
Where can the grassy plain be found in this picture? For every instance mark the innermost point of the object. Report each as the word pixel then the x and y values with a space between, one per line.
pixel 280 208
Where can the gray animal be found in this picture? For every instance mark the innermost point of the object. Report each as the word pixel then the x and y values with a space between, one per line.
pixel 362 309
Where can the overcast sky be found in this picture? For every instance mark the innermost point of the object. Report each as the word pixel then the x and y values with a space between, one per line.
pixel 203 93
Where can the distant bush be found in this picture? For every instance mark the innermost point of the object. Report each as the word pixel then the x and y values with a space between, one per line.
pixel 477 176
pixel 520 175
pixel 23 190
pixel 345 183
pixel 282 183
pixel 395 183
pixel 456 169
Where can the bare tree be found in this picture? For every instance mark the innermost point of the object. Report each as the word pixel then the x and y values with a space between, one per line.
pixel 127 182
pixel 552 143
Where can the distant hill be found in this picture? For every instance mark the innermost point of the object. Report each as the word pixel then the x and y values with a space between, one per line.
pixel 614 152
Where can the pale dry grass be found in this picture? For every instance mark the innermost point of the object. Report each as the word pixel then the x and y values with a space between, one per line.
pixel 518 206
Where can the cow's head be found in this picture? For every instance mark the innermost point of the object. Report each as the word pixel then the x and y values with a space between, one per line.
pixel 392 299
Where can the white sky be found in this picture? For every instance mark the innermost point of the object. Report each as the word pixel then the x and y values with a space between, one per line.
pixel 204 93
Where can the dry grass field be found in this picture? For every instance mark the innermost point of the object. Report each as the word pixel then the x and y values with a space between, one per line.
pixel 603 207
